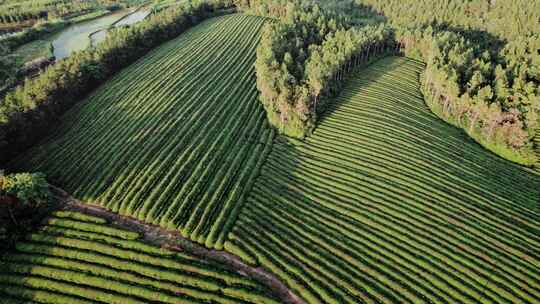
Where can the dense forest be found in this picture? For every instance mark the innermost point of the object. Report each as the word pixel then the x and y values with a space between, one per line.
pixel 22 195
pixel 303 58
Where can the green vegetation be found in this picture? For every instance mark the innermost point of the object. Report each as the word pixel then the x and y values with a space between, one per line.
pixel 27 188
pixel 27 113
pixel 305 55
pixel 176 147
pixel 483 66
pixel 22 195
pixel 383 193
pixel 33 50
pixel 86 264
pixel 16 11
pixel 505 19
pixel 387 203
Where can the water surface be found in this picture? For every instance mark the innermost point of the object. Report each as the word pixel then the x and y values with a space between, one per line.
pixel 75 37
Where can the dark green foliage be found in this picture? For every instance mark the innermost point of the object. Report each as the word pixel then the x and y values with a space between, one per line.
pixel 23 199
pixel 483 66
pixel 27 188
pixel 505 19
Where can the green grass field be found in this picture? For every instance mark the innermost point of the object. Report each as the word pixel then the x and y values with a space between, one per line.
pixel 75 258
pixel 386 203
pixel 175 139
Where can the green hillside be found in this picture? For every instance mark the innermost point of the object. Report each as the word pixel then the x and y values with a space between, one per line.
pixel 271 151
pixel 76 258
pixel 386 203
pixel 174 139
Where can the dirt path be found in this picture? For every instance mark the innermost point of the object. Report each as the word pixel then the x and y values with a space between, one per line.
pixel 172 240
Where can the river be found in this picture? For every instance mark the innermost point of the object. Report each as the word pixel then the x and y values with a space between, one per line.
pixel 77 37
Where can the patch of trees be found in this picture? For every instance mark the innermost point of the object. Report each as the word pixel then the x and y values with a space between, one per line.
pixel 27 113
pixel 505 19
pixel 20 195
pixel 304 55
pixel 494 97
pixel 483 66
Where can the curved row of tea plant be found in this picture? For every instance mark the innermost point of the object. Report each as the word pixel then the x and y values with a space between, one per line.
pixel 31 110
pixel 175 139
pixel 386 203
pixel 76 258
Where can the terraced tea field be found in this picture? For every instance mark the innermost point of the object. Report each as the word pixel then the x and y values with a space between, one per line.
pixel 385 203
pixel 175 139
pixel 76 258
pixel 388 204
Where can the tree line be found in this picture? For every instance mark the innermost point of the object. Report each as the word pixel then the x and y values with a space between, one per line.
pixel 27 113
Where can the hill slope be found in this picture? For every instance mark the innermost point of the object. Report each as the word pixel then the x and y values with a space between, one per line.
pixel 174 139
pixel 387 203
pixel 80 259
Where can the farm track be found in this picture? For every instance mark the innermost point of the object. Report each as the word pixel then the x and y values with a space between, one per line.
pixel 175 139
pixel 90 255
pixel 387 203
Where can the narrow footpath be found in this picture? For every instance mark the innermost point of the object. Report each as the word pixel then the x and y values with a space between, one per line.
pixel 173 240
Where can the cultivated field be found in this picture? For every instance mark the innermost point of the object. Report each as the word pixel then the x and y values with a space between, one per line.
pixel 384 203
pixel 76 258
pixel 175 139
pixel 387 203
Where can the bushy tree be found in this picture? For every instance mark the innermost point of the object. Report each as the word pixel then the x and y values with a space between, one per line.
pixel 20 195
